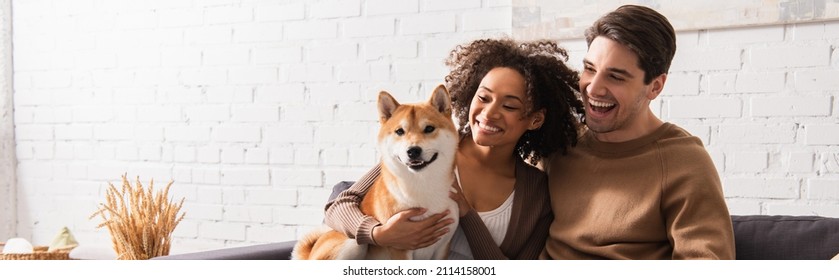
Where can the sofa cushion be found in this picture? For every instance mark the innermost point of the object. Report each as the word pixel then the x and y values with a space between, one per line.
pixel 270 251
pixel 339 187
pixel 761 237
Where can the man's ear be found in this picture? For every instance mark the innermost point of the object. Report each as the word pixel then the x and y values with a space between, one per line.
pixel 538 118
pixel 656 86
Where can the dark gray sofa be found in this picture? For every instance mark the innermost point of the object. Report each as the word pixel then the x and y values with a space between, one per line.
pixel 757 237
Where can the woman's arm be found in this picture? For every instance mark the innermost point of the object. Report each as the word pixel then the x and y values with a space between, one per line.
pixel 344 215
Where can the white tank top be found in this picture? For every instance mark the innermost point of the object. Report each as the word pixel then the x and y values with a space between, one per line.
pixel 496 221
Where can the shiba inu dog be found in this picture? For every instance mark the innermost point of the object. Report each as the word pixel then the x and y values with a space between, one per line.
pixel 417 145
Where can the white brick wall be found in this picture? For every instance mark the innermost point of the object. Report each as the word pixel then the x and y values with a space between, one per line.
pixel 256 108
pixel 8 160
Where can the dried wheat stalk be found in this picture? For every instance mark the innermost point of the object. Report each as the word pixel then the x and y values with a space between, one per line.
pixel 140 222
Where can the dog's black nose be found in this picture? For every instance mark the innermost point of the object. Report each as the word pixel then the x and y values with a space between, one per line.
pixel 414 152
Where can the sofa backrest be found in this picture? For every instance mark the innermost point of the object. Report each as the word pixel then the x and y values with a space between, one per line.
pixel 763 237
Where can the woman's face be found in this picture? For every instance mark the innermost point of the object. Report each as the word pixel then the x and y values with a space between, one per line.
pixel 497 113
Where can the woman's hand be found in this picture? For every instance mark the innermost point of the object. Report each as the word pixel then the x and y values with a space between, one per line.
pixel 402 233
pixel 457 195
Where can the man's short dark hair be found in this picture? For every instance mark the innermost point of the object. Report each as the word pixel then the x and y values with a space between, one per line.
pixel 644 31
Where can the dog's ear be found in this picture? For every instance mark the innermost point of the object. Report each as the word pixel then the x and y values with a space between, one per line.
pixel 387 104
pixel 441 101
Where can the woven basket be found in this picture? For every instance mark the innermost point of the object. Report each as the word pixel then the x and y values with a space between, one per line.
pixel 38 253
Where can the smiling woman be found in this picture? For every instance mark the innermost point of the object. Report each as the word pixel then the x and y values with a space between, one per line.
pixel 496 113
pixel 515 103
pixel 540 66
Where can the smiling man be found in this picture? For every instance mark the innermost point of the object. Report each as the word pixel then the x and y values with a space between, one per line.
pixel 634 187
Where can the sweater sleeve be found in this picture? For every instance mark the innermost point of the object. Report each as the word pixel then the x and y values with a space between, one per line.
pixel 696 216
pixel 344 214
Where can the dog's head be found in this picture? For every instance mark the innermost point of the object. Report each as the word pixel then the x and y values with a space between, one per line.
pixel 417 135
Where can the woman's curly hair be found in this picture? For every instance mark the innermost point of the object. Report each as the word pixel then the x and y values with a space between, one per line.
pixel 550 85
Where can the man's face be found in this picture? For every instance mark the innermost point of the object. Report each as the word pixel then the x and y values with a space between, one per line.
pixel 615 96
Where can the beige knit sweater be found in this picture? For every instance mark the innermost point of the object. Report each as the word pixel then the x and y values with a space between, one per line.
pixel 657 197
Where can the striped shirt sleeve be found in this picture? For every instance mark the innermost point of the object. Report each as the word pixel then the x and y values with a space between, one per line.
pixel 344 214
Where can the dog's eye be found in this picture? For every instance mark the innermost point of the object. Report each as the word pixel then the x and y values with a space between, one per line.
pixel 428 129
pixel 400 131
